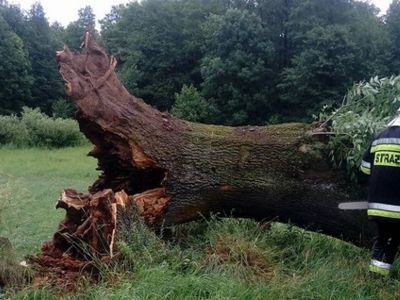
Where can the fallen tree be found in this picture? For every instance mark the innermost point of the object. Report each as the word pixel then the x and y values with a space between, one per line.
pixel 169 171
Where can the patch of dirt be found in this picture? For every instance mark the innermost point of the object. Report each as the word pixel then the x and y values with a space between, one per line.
pixel 63 273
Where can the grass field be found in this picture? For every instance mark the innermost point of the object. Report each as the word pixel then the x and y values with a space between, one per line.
pixel 30 183
pixel 215 259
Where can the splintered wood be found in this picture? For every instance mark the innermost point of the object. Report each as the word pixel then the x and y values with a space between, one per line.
pixel 151 204
pixel 88 234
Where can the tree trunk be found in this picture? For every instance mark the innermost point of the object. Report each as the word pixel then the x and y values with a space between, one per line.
pixel 175 171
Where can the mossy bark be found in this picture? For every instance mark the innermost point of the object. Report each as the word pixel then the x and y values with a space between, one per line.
pixel 175 171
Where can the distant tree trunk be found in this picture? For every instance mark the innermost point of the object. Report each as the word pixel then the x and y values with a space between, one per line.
pixel 172 171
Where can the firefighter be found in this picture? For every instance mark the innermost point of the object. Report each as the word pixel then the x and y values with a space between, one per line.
pixel 382 163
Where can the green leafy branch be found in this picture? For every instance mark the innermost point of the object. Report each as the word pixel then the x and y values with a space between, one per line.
pixel 366 109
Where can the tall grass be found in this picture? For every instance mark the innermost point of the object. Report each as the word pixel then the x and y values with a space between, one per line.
pixel 12 275
pixel 236 259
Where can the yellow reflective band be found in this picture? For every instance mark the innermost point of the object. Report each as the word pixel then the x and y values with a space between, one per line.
pixel 384 213
pixel 385 147
pixel 365 170
pixel 382 271
pixel 387 159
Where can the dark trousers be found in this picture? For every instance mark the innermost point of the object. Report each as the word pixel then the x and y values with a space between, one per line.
pixel 388 241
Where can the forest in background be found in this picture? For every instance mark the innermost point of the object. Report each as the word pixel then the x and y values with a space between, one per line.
pixel 231 62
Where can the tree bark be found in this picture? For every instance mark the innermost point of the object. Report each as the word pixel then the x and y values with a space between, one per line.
pixel 173 171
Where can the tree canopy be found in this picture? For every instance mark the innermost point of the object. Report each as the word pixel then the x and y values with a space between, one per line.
pixel 253 61
pixel 235 61
pixel 15 71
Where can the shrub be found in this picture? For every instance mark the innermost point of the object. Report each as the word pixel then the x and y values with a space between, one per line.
pixel 12 131
pixel 191 106
pixel 62 109
pixel 34 128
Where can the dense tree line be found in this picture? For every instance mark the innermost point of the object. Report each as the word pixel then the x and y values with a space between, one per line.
pixel 253 61
pixel 222 61
pixel 29 75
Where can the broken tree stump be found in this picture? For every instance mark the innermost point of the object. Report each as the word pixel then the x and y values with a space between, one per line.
pixel 173 171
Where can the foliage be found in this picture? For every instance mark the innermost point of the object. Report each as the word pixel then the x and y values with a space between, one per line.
pixel 15 18
pixel 333 44
pixel 162 42
pixel 190 105
pixel 321 74
pixel 15 68
pixel 365 110
pixel 75 30
pixel 158 53
pixel 253 60
pixel 392 22
pixel 62 109
pixel 236 68
pixel 39 42
pixel 13 131
pixel 36 129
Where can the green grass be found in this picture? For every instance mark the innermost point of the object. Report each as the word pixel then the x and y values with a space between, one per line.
pixel 30 183
pixel 215 259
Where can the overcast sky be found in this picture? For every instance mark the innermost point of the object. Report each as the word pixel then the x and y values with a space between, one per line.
pixel 67 11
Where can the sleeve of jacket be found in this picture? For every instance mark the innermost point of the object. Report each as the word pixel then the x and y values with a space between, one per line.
pixel 366 162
